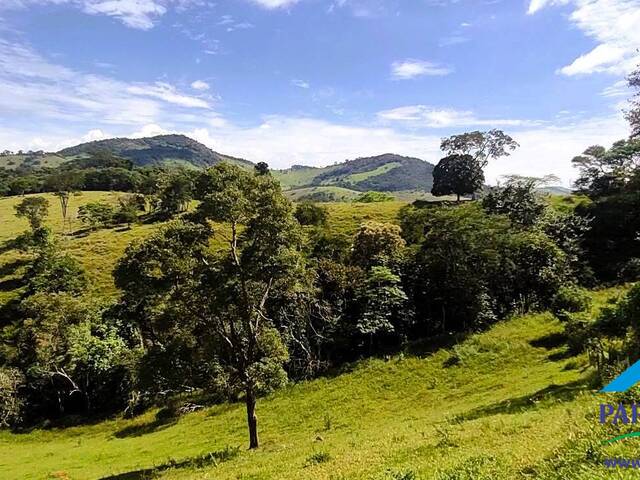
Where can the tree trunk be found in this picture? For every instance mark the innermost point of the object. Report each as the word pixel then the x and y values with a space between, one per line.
pixel 458 199
pixel 252 420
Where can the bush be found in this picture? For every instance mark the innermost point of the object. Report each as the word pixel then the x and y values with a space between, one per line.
pixel 630 271
pixel 570 299
pixel 308 213
pixel 96 214
pixel 316 458
pixel 374 197
pixel 10 401
pixel 578 332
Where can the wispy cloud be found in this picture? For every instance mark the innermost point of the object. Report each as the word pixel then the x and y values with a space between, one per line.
pixel 300 83
pixel 611 23
pixel 423 116
pixel 34 87
pixel 200 85
pixel 411 68
pixel 139 14
pixel 274 4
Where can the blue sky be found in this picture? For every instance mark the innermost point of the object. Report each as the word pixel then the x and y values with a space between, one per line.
pixel 319 81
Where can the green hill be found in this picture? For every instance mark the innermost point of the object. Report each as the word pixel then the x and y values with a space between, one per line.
pixel 159 150
pixel 35 160
pixel 506 404
pixel 383 173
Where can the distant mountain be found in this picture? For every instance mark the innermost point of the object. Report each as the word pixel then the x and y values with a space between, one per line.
pixel 556 190
pixel 159 150
pixel 385 173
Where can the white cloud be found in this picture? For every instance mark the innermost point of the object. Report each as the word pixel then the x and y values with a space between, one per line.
pixel 140 14
pixel 133 13
pixel 618 89
pixel 421 116
pixel 273 4
pixel 549 149
pixel 300 83
pixel 411 68
pixel 200 85
pixel 31 87
pixel 537 5
pixel 611 23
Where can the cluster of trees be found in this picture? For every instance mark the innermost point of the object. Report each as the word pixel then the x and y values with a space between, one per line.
pixel 101 171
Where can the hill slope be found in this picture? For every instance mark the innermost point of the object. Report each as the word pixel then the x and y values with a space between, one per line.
pixel 162 149
pixel 384 173
pixel 510 407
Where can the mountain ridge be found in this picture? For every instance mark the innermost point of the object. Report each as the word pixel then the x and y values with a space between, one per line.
pixel 159 149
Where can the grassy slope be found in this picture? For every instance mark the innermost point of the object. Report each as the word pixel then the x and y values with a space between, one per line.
pixel 99 250
pixel 14 161
pixel 510 403
pixel 297 177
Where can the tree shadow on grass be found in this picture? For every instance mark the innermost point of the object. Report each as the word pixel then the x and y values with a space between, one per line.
pixel 552 393
pixel 554 341
pixel 201 461
pixel 11 267
pixel 146 428
pixel 11 284
pixel 550 341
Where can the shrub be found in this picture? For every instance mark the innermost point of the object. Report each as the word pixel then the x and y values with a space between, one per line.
pixel 308 213
pixel 317 458
pixel 578 332
pixel 10 401
pixel 630 271
pixel 374 197
pixel 571 299
pixel 96 214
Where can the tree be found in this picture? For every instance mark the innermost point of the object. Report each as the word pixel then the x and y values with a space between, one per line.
pixel 308 213
pixel 34 209
pixel 481 146
pixel 176 191
pixel 261 168
pixel 605 172
pixel 96 214
pixel 384 300
pixel 457 174
pixel 377 244
pixel 69 346
pixel 63 184
pixel 222 305
pixel 633 114
pixel 518 199
pixel 11 403
pixel 261 260
pixel 53 271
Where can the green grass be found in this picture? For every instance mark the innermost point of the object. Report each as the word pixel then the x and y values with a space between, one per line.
pixel 341 194
pixel 359 177
pixel 297 177
pixel 510 403
pixel 48 160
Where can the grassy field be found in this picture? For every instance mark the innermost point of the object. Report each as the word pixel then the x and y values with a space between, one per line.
pixel 48 160
pixel 99 250
pixel 505 404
